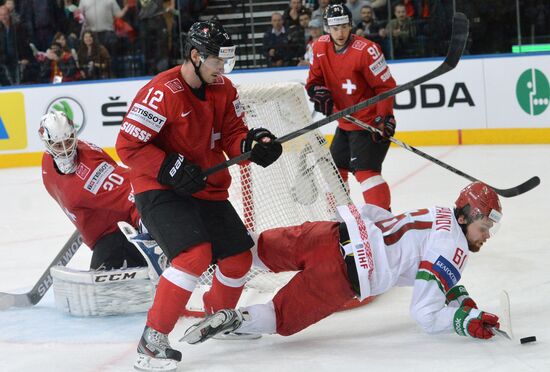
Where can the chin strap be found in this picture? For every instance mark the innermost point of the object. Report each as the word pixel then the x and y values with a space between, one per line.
pixel 197 72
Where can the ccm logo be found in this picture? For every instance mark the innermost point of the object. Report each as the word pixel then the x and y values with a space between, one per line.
pixel 114 277
pixel 176 166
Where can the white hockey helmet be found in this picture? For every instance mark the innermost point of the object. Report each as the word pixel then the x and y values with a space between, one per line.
pixel 58 133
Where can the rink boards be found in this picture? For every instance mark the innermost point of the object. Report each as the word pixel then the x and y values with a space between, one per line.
pixel 485 100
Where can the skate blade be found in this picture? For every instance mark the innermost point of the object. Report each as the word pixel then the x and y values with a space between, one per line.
pixel 199 332
pixel 150 364
pixel 237 336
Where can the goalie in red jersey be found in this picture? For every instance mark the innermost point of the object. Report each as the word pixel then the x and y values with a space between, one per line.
pixel 348 69
pixel 93 191
pixel 183 121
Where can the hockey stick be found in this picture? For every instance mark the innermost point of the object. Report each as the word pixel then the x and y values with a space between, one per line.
pixel 507 193
pixel 456 47
pixel 34 296
pixel 505 329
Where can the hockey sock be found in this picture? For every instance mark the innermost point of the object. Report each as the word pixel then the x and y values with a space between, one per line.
pixel 176 285
pixel 228 282
pixel 374 187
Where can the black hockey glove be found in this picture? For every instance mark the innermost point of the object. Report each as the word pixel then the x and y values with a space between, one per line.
pixel 184 177
pixel 386 126
pixel 321 98
pixel 265 150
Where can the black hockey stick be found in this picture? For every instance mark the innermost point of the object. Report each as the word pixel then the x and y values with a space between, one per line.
pixel 34 296
pixel 507 193
pixel 456 47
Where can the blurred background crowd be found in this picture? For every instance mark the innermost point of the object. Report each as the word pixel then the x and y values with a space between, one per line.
pixel 54 41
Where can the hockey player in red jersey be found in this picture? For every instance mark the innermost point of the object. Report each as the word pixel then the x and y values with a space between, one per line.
pixel 180 123
pixel 93 191
pixel 367 254
pixel 348 69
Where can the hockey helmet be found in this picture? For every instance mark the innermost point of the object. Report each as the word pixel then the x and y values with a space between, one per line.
pixel 58 133
pixel 337 14
pixel 477 200
pixel 209 38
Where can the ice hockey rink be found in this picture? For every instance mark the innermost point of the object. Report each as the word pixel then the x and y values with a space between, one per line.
pixel 377 337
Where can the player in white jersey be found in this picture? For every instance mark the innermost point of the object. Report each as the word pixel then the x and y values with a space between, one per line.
pixel 367 254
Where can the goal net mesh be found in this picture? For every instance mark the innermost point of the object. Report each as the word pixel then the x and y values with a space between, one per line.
pixel 302 185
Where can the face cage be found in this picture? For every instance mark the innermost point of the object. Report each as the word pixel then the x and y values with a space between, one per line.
pixel 63 153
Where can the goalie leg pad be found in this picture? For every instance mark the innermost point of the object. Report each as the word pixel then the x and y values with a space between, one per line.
pixel 102 293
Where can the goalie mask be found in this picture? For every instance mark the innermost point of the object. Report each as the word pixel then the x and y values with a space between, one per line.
pixel 478 201
pixel 210 39
pixel 58 133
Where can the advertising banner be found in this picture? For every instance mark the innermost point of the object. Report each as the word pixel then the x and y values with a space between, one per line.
pixel 481 93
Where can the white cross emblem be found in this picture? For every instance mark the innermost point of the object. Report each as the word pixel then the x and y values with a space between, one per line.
pixel 213 138
pixel 349 86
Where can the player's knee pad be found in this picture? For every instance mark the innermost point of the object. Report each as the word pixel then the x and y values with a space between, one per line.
pixel 236 266
pixel 194 260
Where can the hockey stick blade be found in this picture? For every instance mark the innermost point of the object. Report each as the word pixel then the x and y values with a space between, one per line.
pixel 456 47
pixel 34 296
pixel 528 185
pixel 507 193
pixel 500 332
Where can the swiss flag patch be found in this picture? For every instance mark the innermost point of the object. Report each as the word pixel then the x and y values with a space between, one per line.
pixel 174 85
pixel 82 171
pixel 359 45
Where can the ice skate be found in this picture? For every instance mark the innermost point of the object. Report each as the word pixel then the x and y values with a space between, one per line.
pixel 223 321
pixel 155 353
pixel 235 336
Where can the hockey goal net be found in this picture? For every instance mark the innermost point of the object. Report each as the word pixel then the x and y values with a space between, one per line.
pixel 302 185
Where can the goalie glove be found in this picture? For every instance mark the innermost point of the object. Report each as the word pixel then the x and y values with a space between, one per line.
pixel 321 98
pixel 474 323
pixel 386 125
pixel 262 145
pixel 459 296
pixel 184 177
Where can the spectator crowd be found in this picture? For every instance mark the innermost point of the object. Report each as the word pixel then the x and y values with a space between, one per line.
pixel 53 41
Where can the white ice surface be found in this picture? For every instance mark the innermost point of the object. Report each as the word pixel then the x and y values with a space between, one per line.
pixel 377 337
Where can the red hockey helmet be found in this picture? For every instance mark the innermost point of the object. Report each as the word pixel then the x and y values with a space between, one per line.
pixel 477 200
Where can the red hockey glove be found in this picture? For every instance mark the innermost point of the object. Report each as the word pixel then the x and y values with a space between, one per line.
pixel 264 149
pixel 458 296
pixel 184 177
pixel 321 98
pixel 474 323
pixel 386 125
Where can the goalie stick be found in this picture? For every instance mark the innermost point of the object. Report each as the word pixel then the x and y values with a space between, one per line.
pixel 34 296
pixel 456 47
pixel 507 193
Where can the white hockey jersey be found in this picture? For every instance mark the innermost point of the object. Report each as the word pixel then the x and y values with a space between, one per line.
pixel 424 248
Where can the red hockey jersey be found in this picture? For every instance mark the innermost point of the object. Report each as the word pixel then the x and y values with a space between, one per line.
pixel 357 74
pixel 96 196
pixel 166 117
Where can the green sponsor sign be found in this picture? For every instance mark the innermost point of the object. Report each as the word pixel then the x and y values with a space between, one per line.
pixel 533 92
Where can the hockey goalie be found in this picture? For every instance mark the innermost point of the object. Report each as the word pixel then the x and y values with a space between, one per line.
pixel 94 192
